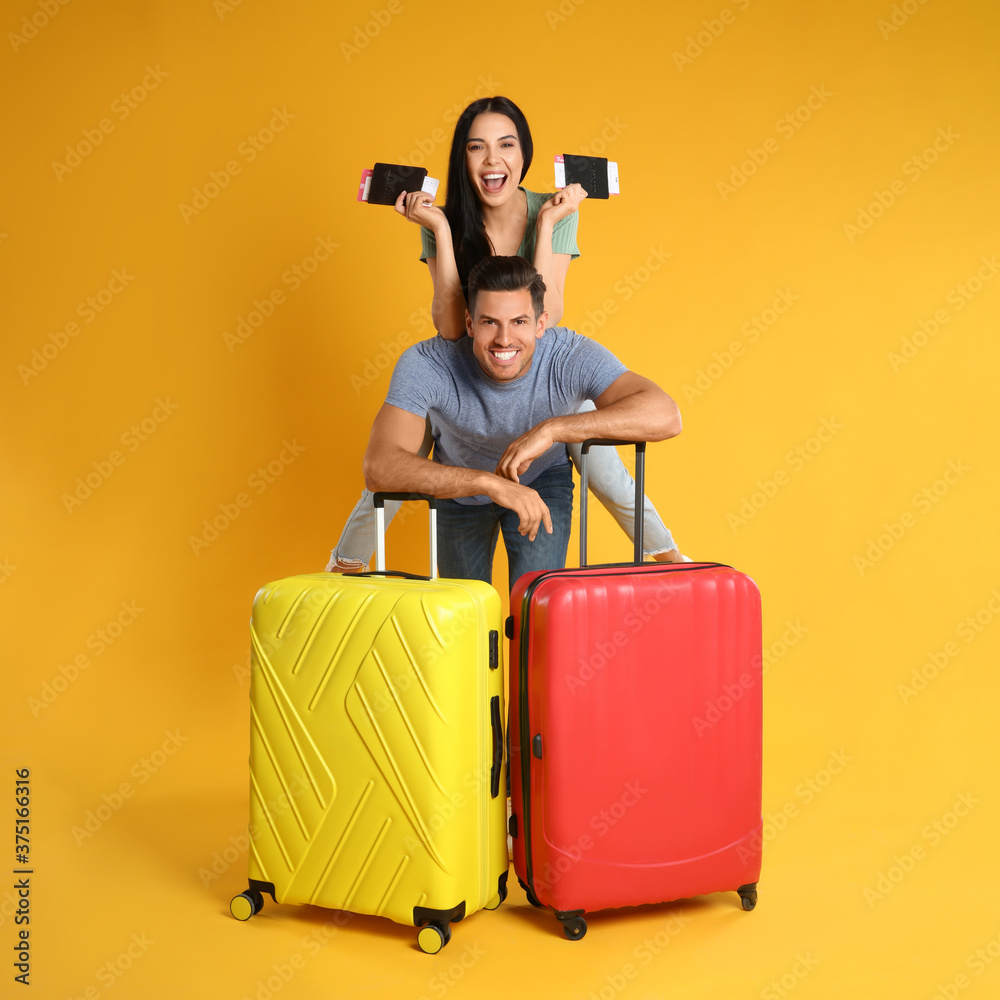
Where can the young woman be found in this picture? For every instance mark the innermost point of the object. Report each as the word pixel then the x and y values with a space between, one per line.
pixel 488 212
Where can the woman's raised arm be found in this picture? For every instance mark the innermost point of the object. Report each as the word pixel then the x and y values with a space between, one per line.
pixel 448 304
pixel 553 266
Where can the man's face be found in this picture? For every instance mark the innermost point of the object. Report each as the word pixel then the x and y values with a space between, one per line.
pixel 503 332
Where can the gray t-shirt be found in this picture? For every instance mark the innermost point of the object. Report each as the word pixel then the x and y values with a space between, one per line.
pixel 473 418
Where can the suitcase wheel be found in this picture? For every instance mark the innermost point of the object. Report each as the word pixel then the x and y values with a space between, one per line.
pixel 748 895
pixel 432 938
pixel 246 904
pixel 501 894
pixel 532 898
pixel 574 927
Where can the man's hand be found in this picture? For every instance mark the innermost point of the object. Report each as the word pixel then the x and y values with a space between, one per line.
pixel 522 452
pixel 526 503
pixel 393 463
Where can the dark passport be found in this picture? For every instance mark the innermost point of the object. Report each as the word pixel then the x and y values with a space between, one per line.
pixel 591 172
pixel 389 180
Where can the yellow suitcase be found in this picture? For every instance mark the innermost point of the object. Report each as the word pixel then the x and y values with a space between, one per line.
pixel 377 780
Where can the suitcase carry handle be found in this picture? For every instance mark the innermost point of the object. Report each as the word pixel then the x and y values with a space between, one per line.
pixel 640 490
pixel 497 768
pixel 379 500
pixel 391 572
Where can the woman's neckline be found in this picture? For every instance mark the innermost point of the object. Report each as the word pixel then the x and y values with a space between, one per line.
pixel 525 213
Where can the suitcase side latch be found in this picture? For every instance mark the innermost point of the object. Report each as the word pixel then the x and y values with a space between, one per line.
pixel 536 745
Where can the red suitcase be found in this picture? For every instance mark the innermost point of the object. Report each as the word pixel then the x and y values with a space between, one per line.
pixel 635 731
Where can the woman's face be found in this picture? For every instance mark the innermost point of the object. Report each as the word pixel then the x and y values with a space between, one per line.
pixel 493 158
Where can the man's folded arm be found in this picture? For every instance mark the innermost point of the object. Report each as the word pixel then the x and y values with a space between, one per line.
pixel 393 462
pixel 393 465
pixel 632 408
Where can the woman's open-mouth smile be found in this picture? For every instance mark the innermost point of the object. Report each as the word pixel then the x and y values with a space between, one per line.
pixel 494 181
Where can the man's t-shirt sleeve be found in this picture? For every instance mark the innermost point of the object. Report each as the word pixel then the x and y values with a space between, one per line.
pixel 588 367
pixel 411 385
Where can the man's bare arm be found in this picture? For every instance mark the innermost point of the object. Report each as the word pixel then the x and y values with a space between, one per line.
pixel 632 408
pixel 393 465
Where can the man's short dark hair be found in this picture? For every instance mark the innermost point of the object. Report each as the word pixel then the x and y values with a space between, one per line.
pixel 506 274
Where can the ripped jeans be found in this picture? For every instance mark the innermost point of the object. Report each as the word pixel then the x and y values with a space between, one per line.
pixel 610 482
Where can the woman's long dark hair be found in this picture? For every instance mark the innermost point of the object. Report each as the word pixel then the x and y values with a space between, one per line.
pixel 461 208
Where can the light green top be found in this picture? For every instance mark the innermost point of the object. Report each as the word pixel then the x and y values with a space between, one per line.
pixel 563 232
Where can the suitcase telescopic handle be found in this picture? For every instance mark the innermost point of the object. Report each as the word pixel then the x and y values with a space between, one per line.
pixel 379 500
pixel 640 491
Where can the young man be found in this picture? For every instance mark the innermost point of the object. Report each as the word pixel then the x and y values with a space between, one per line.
pixel 502 405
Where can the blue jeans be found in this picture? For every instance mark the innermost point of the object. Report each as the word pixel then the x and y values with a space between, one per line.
pixel 467 534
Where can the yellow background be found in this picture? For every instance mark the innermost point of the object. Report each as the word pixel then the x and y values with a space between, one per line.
pixel 305 376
